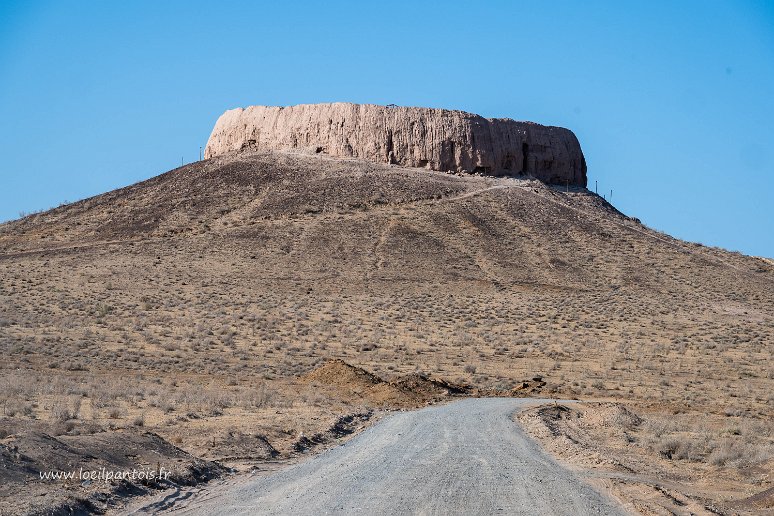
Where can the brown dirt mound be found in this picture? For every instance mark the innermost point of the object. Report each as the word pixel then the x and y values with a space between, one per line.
pixel 337 372
pixel 350 382
pixel 421 385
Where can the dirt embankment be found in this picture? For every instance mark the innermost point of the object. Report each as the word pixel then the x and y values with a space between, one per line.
pixel 342 380
pixel 41 474
pixel 681 463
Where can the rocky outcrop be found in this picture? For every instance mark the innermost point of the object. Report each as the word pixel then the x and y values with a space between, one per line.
pixel 436 139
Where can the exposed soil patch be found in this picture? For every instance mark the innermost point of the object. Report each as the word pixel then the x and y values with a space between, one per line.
pixel 344 380
pixel 341 379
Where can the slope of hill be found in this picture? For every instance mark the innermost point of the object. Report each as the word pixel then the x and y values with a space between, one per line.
pixel 190 302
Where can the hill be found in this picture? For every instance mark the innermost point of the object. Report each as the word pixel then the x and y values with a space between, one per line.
pixel 191 303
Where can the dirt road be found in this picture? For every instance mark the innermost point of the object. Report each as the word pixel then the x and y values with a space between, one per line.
pixel 467 457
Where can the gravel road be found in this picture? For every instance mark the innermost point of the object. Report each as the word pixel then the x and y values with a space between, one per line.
pixel 467 457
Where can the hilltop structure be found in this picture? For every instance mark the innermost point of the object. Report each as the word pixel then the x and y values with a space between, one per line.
pixel 436 139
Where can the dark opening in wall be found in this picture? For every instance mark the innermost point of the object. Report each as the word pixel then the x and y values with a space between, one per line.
pixel 318 150
pixel 249 144
pixel 482 170
pixel 524 158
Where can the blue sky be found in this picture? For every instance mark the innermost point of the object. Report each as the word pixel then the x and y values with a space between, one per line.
pixel 673 102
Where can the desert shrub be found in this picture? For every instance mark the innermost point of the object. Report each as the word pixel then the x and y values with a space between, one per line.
pixel 740 444
pixel 683 448
pixel 115 412
pixel 102 309
pixel 60 412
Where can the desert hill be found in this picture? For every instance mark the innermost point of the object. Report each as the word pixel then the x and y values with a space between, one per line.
pixel 304 251
pixel 196 303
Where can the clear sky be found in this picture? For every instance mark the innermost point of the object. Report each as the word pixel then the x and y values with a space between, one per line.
pixel 673 102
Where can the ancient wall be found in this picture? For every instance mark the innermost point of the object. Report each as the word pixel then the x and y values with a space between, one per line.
pixel 436 139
